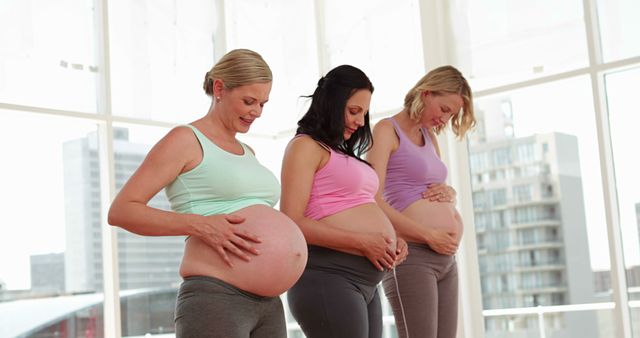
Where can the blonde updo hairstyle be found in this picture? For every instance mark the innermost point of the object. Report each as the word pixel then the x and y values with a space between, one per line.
pixel 237 68
pixel 441 81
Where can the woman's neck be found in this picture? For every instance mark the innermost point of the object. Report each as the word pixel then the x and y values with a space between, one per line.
pixel 218 127
pixel 409 125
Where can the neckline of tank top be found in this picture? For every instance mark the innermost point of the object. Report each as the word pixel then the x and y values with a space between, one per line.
pixel 422 132
pixel 244 149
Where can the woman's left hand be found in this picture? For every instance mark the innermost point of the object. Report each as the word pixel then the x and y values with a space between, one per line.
pixel 440 192
pixel 402 251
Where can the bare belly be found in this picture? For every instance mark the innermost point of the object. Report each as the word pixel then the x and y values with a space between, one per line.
pixel 282 258
pixel 436 215
pixel 363 218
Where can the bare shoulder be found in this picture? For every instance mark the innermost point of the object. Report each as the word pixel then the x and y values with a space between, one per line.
pixel 384 126
pixel 305 144
pixel 385 134
pixel 179 142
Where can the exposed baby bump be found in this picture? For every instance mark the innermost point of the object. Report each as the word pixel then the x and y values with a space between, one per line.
pixel 363 218
pixel 282 258
pixel 435 215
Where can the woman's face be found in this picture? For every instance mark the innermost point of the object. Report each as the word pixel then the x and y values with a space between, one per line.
pixel 356 109
pixel 438 109
pixel 244 104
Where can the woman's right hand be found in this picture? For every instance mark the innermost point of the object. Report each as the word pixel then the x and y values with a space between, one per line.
pixel 442 242
pixel 377 247
pixel 224 236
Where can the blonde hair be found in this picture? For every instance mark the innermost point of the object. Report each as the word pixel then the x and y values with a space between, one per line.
pixel 441 81
pixel 237 68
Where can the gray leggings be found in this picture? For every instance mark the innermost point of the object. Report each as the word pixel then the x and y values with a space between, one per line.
pixel 208 307
pixel 428 284
pixel 337 296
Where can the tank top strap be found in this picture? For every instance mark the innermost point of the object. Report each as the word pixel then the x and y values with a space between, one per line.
pixel 427 137
pixel 202 138
pixel 320 143
pixel 397 128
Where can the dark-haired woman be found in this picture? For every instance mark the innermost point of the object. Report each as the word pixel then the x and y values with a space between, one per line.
pixel 329 191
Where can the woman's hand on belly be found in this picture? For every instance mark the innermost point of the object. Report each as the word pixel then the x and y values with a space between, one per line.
pixel 379 248
pixel 373 234
pixel 442 241
pixel 282 258
pixel 222 234
pixel 402 251
pixel 440 192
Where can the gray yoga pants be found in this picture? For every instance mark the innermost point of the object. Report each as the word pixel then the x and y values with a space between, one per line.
pixel 208 307
pixel 337 296
pixel 428 284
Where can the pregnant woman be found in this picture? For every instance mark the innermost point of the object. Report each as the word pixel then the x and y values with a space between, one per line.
pixel 330 193
pixel 240 253
pixel 423 291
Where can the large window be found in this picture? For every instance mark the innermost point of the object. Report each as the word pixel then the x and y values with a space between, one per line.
pixel 548 244
pixel 380 37
pixel 51 240
pixel 47 54
pixel 513 41
pixel 545 263
pixel 623 112
pixel 546 188
pixel 160 52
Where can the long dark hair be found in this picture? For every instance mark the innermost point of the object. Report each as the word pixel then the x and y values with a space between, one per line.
pixel 324 121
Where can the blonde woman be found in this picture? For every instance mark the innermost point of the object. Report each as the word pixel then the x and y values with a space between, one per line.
pixel 240 253
pixel 423 290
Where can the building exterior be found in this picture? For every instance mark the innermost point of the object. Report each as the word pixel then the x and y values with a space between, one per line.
pixel 47 272
pixel 530 227
pixel 143 261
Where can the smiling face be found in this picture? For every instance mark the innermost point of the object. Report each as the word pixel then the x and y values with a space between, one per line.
pixel 242 105
pixel 438 109
pixel 355 110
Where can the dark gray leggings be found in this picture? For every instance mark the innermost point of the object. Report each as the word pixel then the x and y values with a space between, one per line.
pixel 208 307
pixel 337 296
pixel 428 284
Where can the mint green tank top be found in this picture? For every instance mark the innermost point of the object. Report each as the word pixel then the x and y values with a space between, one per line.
pixel 222 183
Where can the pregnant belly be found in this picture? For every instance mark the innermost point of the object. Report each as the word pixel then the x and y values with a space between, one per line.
pixel 282 258
pixel 435 215
pixel 363 218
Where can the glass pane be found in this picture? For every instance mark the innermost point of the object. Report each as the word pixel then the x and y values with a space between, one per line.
pixel 47 54
pixel 553 324
pixel 51 271
pixel 538 204
pixel 623 117
pixel 619 27
pixel 394 62
pixel 512 326
pixel 148 266
pixel 292 56
pixel 160 52
pixel 512 41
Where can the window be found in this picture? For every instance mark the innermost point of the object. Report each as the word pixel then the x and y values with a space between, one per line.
pixel 624 138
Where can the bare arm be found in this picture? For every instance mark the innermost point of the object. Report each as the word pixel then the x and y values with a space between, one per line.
pixel 177 152
pixel 302 158
pixel 385 142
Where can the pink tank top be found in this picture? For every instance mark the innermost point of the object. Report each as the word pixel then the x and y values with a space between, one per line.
pixel 343 183
pixel 411 169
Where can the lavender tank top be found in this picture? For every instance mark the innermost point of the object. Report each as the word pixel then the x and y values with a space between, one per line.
pixel 411 169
